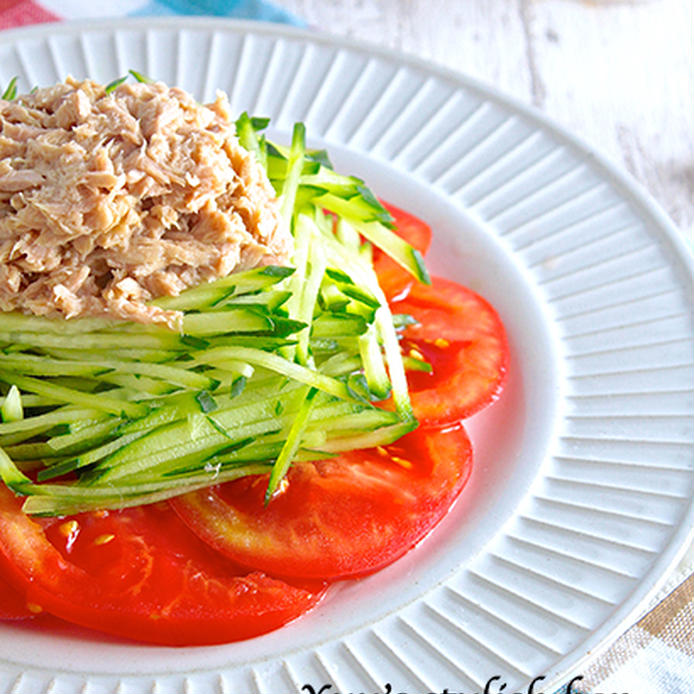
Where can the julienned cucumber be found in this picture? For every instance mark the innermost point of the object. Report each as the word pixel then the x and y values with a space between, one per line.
pixel 274 365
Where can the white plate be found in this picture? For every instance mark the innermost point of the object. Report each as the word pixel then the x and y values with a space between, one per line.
pixel 581 496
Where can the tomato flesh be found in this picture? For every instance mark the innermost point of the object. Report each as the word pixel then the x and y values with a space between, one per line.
pixel 140 573
pixel 340 517
pixel 13 604
pixel 463 339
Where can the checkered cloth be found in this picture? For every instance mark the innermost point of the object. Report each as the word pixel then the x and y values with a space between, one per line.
pixel 656 656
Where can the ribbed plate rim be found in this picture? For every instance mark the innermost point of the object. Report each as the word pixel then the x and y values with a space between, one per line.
pixel 631 190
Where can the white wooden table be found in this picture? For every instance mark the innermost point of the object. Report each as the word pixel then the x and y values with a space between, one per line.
pixel 617 73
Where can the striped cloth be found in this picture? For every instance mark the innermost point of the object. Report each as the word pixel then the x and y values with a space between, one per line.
pixel 14 13
pixel 656 656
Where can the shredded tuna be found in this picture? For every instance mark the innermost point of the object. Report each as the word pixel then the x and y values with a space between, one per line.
pixel 108 201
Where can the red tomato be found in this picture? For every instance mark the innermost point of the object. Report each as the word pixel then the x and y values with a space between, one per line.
pixel 463 339
pixel 142 574
pixel 13 604
pixel 341 517
pixel 392 277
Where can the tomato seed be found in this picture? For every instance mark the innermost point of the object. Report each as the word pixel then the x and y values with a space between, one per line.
pixel 104 539
pixel 401 461
pixel 69 528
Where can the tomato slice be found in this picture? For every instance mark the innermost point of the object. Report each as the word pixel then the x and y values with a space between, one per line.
pixel 340 517
pixel 392 277
pixel 140 573
pixel 13 604
pixel 463 339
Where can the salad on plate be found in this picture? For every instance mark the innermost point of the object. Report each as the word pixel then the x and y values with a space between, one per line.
pixel 228 380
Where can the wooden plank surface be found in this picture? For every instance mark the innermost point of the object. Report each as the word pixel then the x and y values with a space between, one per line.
pixel 617 73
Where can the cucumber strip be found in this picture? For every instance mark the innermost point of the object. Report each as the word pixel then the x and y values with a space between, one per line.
pixel 345 285
pixel 362 207
pixel 332 299
pixel 400 251
pixel 302 237
pixel 12 409
pixel 393 357
pixel 112 86
pixel 31 401
pixel 97 430
pixel 306 283
pixel 267 449
pixel 236 284
pixel 248 138
pixel 145 355
pixel 309 297
pixel 265 342
pixel 374 365
pixel 229 370
pixel 100 402
pixel 327 345
pixel 11 475
pixel 61 499
pixel 30 451
pixel 329 181
pixel 13 321
pixel 256 390
pixel 340 421
pixel 41 422
pixel 96 340
pixel 370 439
pixel 10 93
pixel 170 374
pixel 135 386
pixel 178 407
pixel 18 437
pixel 341 364
pixel 348 236
pixel 412 364
pixel 295 163
pixel 338 325
pixel 271 299
pixel 370 227
pixel 45 366
pixel 195 300
pixel 278 364
pixel 230 320
pixel 84 383
pixel 291 444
